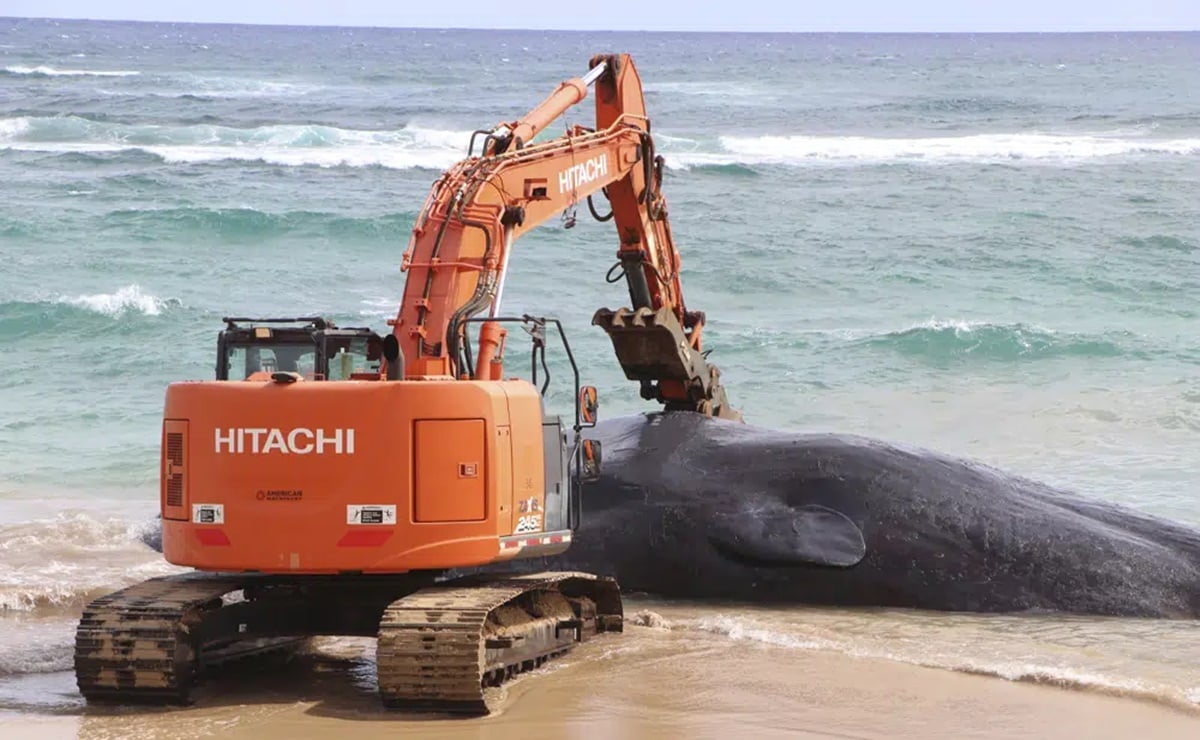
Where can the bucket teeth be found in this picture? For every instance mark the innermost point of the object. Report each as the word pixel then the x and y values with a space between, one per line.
pixel 645 317
pixel 642 317
pixel 650 345
pixel 624 318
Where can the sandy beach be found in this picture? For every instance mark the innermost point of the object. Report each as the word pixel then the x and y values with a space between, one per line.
pixel 649 682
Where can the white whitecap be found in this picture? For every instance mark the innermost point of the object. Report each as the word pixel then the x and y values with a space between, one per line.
pixel 127 298
pixel 415 146
pixel 993 148
pixel 281 144
pixel 47 71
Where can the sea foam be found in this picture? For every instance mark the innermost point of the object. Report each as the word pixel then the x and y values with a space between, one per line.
pixel 281 144
pixel 414 146
pixel 46 71
pixel 1010 148
pixel 1060 674
pixel 59 563
pixel 126 299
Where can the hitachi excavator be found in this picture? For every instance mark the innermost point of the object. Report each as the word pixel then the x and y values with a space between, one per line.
pixel 329 479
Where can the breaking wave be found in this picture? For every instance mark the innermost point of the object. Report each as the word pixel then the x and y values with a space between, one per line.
pixel 126 299
pixel 946 340
pixel 50 568
pixel 1015 148
pixel 236 87
pixel 59 564
pixel 42 648
pixel 414 146
pixel 23 318
pixel 283 144
pixel 45 71
pixel 379 307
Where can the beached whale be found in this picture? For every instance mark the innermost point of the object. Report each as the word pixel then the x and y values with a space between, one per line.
pixel 695 507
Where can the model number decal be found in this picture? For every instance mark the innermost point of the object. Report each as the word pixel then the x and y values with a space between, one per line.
pixel 531 523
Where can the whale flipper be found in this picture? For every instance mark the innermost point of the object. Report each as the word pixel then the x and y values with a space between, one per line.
pixel 778 534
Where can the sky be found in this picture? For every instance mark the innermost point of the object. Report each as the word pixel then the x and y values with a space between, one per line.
pixel 652 15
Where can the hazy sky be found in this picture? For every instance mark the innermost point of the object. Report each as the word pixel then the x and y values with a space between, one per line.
pixel 689 15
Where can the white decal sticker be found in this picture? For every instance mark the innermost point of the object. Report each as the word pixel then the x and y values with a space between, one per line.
pixel 531 523
pixel 371 514
pixel 208 513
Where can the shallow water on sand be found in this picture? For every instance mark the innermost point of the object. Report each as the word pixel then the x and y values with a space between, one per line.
pixel 706 669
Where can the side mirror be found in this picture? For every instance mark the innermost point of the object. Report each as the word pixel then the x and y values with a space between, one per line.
pixel 588 403
pixel 590 465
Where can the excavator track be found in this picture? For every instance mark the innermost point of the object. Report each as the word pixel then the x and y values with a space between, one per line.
pixel 135 645
pixel 441 648
pixel 445 648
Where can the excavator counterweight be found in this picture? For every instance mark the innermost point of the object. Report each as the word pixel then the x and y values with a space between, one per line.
pixel 333 480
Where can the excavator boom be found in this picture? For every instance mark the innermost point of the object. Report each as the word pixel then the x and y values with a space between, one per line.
pixel 458 254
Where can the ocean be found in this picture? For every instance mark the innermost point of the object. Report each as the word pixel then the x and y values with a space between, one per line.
pixel 987 245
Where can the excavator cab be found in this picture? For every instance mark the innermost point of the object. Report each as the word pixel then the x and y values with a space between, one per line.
pixel 313 348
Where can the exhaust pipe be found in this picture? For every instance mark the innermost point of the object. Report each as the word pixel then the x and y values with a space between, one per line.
pixel 395 359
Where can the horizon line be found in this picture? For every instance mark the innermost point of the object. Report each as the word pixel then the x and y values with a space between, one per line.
pixel 369 26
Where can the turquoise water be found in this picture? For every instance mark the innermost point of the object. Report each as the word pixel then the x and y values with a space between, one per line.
pixel 986 245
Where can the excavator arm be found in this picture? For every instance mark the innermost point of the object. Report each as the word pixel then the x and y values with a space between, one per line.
pixel 457 257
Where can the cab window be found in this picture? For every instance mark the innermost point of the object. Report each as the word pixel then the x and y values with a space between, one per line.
pixel 348 355
pixel 244 360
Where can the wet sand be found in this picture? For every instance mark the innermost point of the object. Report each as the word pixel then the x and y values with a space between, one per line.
pixel 646 683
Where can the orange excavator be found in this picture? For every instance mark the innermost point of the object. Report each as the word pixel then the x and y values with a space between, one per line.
pixel 328 479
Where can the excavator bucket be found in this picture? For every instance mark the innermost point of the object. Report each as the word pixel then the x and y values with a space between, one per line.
pixel 651 345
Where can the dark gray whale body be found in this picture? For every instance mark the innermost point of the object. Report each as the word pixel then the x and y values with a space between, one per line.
pixel 694 507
